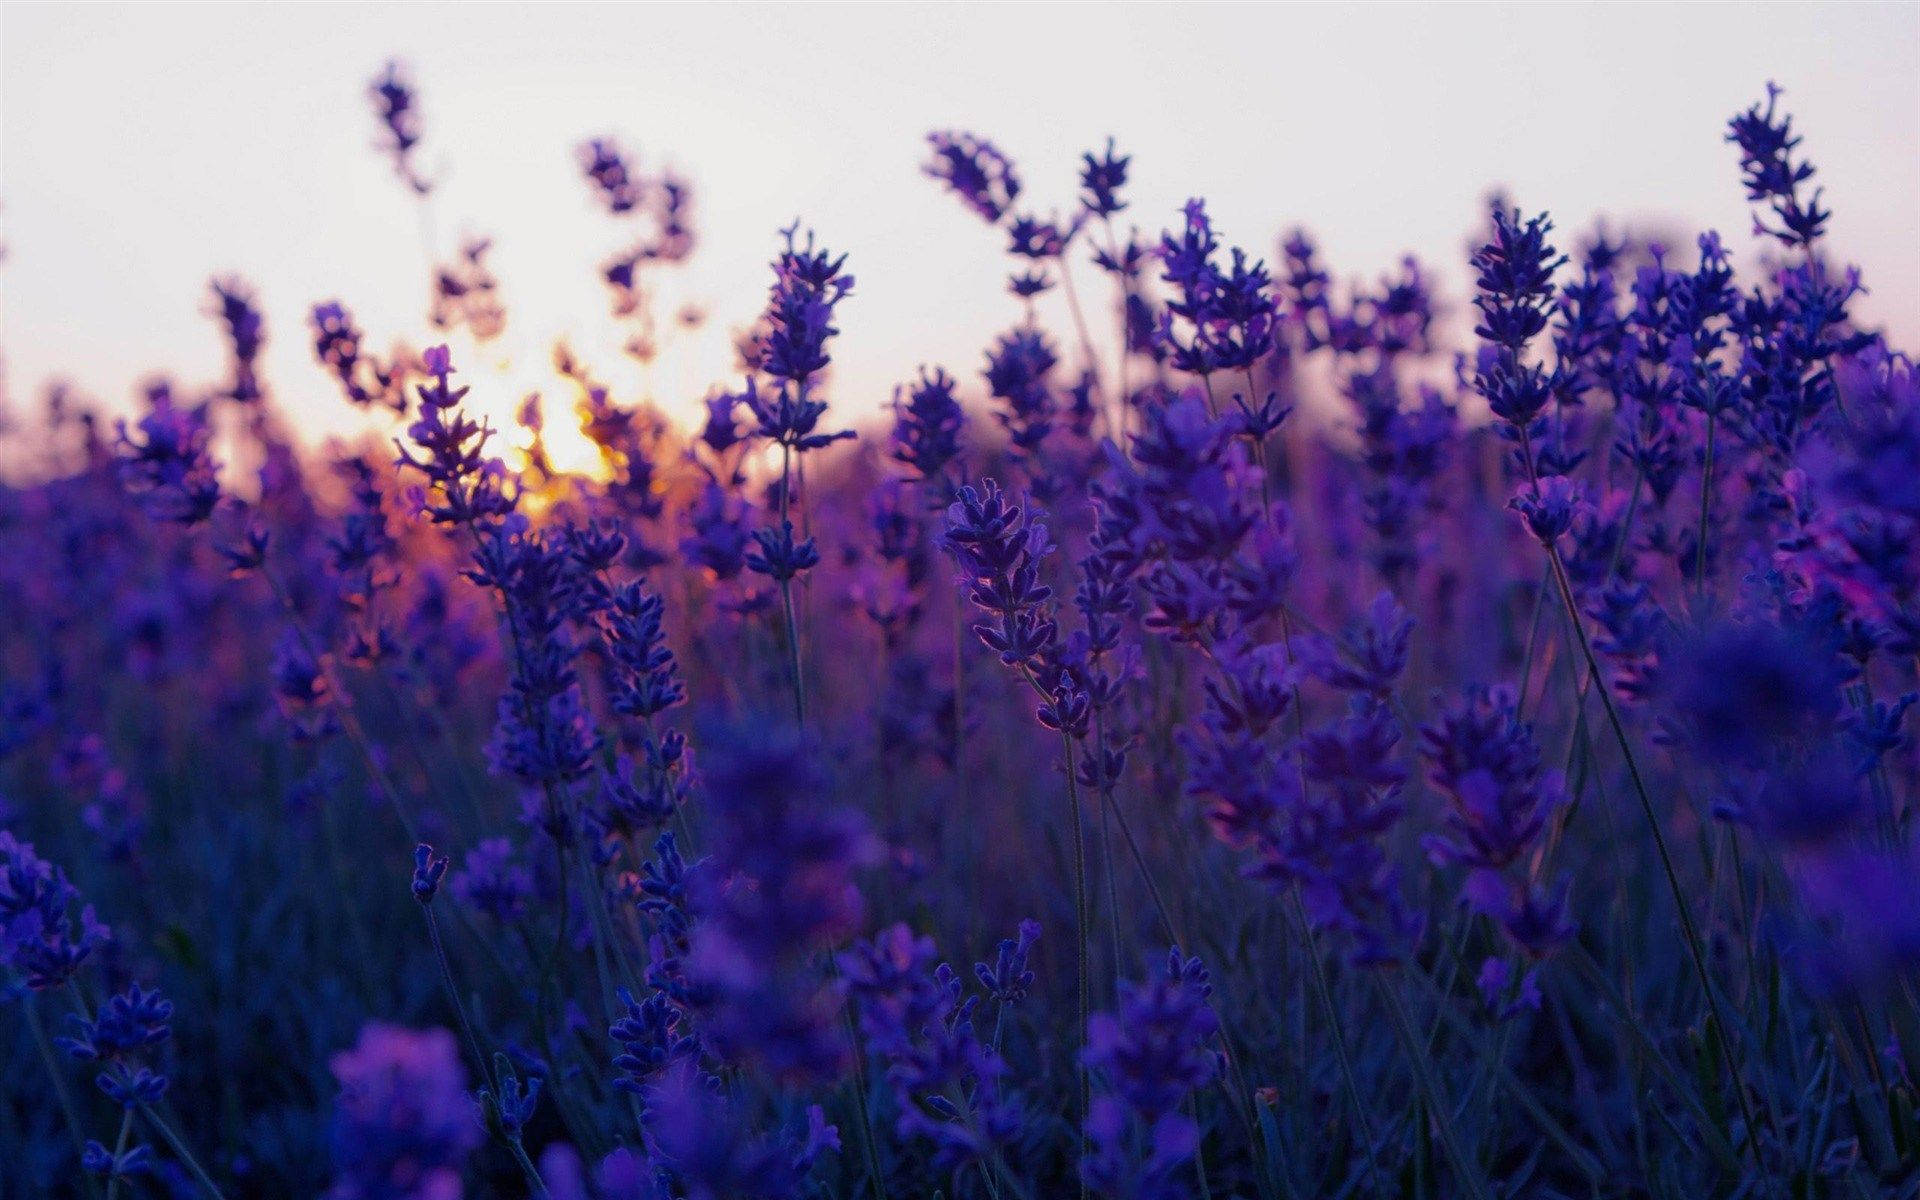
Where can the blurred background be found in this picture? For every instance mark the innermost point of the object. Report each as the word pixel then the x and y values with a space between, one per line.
pixel 146 148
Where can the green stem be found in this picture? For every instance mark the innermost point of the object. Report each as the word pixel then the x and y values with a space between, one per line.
pixel 1706 505
pixel 1470 1176
pixel 119 1148
pixel 180 1151
pixel 60 1090
pixel 1324 990
pixel 1694 951
pixel 1081 938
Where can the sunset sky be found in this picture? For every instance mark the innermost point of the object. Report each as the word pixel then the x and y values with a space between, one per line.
pixel 144 149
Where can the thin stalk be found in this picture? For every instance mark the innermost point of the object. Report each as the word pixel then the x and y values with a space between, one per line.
pixel 1706 505
pixel 60 1091
pixel 1470 1176
pixel 181 1152
pixel 119 1148
pixel 453 996
pixel 869 1149
pixel 1080 325
pixel 1080 941
pixel 1347 1078
pixel 527 1168
pixel 1081 917
pixel 793 652
pixel 1694 950
pixel 1199 1155
pixel 348 721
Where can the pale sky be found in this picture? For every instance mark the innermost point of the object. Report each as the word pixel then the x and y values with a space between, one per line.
pixel 145 148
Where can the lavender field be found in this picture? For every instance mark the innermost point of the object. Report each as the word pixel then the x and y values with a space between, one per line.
pixel 1249 735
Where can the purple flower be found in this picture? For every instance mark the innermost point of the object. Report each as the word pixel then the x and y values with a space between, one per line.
pixel 709 1146
pixel 974 170
pixel 1146 1059
pixel 777 889
pixel 127 1027
pixel 167 464
pixel 916 1020
pixel 999 547
pixel 1219 319
pixel 926 428
pixel 606 167
pixel 1514 274
pixel 428 870
pixel 1017 371
pixel 1101 178
pixel 809 283
pixel 1484 760
pixel 1550 506
pixel 780 557
pixel 1773 175
pixel 395 105
pixel 1370 656
pixel 403 1124
pixel 491 881
pixel 239 315
pixel 41 938
pixel 1008 979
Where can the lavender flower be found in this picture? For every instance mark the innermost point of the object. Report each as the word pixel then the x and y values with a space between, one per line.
pixel 915 1018
pixel 404 1124
pixel 492 882
pixel 128 1026
pixel 779 887
pixel 926 430
pixel 41 938
pixel 999 546
pixel 167 464
pixel 1147 1058
pixel 1483 758
pixel 1773 175
pixel 975 171
pixel 396 107
pixel 239 315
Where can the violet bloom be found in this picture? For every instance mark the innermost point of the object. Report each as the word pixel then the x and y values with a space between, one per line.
pixel 1146 1059
pixel 167 465
pixel 449 448
pixel 1218 320
pixel 1008 979
pixel 42 939
pixel 492 881
pixel 1484 760
pixel 1774 175
pixel 545 734
pixel 720 533
pixel 397 109
pixel 1017 373
pixel 1514 275
pixel 120 1039
pixel 1868 908
pixel 926 428
pixel 239 315
pixel 999 547
pixel 1101 178
pixel 946 1080
pixel 617 186
pixel 707 1144
pixel 646 677
pixel 337 343
pixel 778 888
pixel 404 1124
pixel 974 170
